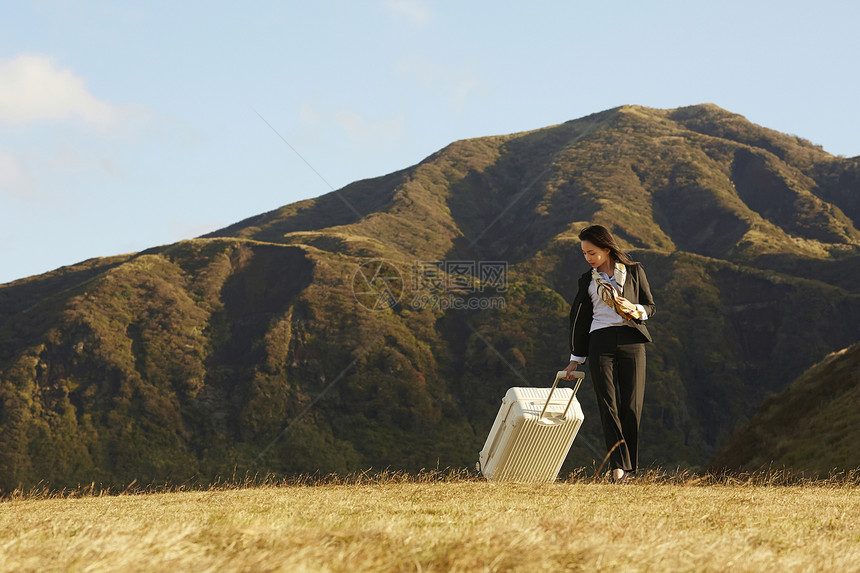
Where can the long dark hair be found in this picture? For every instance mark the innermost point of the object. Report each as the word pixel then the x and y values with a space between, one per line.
pixel 601 237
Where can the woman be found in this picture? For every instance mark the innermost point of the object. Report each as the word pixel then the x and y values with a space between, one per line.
pixel 607 326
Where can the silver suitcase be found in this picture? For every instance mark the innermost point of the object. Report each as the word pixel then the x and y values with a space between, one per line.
pixel 533 433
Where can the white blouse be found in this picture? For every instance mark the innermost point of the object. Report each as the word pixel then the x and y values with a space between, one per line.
pixel 604 315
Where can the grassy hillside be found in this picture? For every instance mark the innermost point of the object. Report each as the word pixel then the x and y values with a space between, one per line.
pixel 814 425
pixel 442 526
pixel 254 349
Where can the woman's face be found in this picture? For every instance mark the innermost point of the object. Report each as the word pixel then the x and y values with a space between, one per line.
pixel 594 255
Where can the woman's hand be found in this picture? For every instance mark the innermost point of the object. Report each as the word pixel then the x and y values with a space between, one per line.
pixel 570 368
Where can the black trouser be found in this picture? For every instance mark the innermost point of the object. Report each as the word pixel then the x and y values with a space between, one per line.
pixel 617 363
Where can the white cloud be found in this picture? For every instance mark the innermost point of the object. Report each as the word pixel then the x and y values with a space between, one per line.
pixel 62 135
pixel 362 130
pixel 454 85
pixel 33 88
pixel 413 11
pixel 308 116
pixel 14 180
pixel 75 158
pixel 363 133
pixel 463 88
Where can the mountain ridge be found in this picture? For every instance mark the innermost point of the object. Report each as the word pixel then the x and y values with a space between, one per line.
pixel 477 153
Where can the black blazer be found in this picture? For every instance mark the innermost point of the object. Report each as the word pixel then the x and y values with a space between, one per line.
pixel 635 289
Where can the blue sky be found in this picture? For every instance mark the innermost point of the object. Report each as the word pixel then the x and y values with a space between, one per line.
pixel 126 125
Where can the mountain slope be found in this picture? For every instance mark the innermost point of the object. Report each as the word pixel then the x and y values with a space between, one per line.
pixel 812 426
pixel 259 347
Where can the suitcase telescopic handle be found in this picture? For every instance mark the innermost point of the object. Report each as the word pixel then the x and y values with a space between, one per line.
pixel 558 376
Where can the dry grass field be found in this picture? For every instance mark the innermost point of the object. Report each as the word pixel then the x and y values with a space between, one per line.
pixel 442 524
